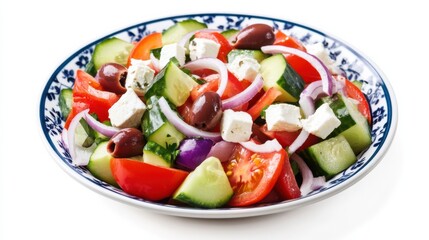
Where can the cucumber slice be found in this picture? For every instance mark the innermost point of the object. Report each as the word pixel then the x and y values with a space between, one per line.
pixel 330 156
pixel 258 55
pixel 277 73
pixel 172 83
pixel 155 154
pixel 99 164
pixel 207 186
pixel 176 32
pixel 157 128
pixel 354 126
pixel 111 50
pixel 84 134
pixel 65 102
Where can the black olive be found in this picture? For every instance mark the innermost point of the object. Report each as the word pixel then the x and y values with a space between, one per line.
pixel 112 77
pixel 206 111
pixel 127 142
pixel 254 37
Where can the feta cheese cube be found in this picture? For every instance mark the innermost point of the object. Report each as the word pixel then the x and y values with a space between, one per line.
pixel 236 126
pixel 283 117
pixel 203 48
pixel 244 67
pixel 139 76
pixel 169 51
pixel 319 51
pixel 127 111
pixel 322 122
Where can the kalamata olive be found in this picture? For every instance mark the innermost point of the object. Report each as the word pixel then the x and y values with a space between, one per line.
pixel 206 111
pixel 112 77
pixel 254 37
pixel 127 142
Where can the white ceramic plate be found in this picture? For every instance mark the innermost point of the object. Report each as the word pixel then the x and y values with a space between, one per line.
pixel 357 67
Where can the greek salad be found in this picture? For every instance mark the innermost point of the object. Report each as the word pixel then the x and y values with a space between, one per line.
pixel 205 118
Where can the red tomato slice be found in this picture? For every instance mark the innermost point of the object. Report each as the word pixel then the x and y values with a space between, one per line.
pixel 282 39
pixel 146 180
pixel 142 49
pixel 99 101
pixel 77 107
pixel 286 185
pixel 267 99
pixel 252 175
pixel 354 92
pixel 225 46
pixel 307 72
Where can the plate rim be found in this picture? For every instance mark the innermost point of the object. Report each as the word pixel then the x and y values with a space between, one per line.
pixel 378 155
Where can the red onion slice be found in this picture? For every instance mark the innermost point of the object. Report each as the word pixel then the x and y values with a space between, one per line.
pixel 222 150
pixel 184 41
pixel 309 183
pixel 80 155
pixel 182 126
pixel 323 71
pixel 212 64
pixel 245 95
pixel 302 137
pixel 107 131
pixel 155 62
pixel 267 147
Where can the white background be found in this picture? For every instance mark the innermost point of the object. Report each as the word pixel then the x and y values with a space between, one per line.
pixel 40 201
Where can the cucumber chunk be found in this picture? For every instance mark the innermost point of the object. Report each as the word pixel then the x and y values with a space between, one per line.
pixel 155 154
pixel 176 32
pixel 172 83
pixel 65 102
pixel 258 55
pixel 99 164
pixel 111 50
pixel 157 128
pixel 206 187
pixel 84 134
pixel 330 156
pixel 230 34
pixel 354 126
pixel 277 73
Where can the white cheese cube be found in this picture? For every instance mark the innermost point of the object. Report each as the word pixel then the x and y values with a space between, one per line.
pixel 169 51
pixel 322 122
pixel 139 76
pixel 236 126
pixel 319 51
pixel 203 48
pixel 283 117
pixel 127 111
pixel 244 67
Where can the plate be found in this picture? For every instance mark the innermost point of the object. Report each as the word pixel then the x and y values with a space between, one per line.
pixel 357 67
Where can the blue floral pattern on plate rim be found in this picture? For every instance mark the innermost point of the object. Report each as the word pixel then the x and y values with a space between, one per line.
pixel 352 63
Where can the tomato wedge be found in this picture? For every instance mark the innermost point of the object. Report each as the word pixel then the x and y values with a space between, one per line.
pixel 252 175
pixel 354 92
pixel 287 138
pixel 145 180
pixel 286 186
pixel 307 72
pixel 87 93
pixel 225 46
pixel 142 49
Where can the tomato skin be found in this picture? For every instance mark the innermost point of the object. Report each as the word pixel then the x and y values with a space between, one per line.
pixel 145 180
pixel 284 40
pixel 77 107
pixel 354 92
pixel 142 49
pixel 307 72
pixel 252 175
pixel 286 185
pixel 225 46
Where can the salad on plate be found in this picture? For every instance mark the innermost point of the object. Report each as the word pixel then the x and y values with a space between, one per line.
pixel 209 119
